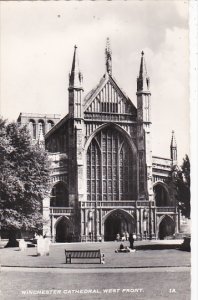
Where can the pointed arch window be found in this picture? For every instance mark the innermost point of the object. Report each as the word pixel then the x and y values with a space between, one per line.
pixel 59 195
pixel 161 195
pixel 50 124
pixel 109 167
pixel 41 127
pixel 32 129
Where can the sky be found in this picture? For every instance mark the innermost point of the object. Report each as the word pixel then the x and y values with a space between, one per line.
pixel 37 44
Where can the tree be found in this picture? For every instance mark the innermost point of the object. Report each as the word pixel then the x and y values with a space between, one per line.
pixel 24 180
pixel 179 186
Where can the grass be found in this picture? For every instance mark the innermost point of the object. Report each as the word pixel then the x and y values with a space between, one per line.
pixel 141 258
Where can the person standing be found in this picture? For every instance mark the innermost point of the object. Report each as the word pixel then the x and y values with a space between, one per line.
pixel 117 237
pixel 127 235
pixel 131 241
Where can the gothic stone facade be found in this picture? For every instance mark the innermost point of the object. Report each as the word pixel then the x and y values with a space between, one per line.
pixel 104 178
pixel 38 124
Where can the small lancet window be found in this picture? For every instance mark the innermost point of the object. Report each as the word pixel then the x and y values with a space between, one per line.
pixel 50 124
pixel 109 107
pixel 41 127
pixel 32 129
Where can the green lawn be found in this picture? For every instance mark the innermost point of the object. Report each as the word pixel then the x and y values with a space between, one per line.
pixel 141 258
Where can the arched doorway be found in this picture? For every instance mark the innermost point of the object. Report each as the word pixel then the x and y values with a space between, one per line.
pixel 161 194
pixel 166 227
pixel 118 222
pixel 63 230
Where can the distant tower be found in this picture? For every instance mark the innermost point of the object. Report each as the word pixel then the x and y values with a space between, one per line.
pixel 144 132
pixel 173 149
pixel 75 88
pixel 108 54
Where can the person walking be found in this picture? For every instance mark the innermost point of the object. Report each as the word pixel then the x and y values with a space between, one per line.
pixel 131 241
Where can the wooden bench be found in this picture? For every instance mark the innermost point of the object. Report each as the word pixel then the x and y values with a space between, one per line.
pixel 89 254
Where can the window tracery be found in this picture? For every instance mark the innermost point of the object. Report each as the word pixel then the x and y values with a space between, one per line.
pixel 109 167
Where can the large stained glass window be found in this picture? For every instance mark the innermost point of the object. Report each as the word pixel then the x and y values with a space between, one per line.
pixel 109 167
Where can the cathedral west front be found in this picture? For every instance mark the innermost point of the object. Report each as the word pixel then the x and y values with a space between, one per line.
pixel 104 179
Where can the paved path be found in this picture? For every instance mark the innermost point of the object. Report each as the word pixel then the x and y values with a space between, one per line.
pixel 101 284
pixel 91 271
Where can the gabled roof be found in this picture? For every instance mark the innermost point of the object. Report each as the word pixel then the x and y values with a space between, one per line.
pixel 57 126
pixel 91 96
pixel 104 80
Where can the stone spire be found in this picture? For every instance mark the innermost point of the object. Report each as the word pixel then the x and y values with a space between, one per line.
pixel 108 56
pixel 173 140
pixel 75 77
pixel 144 133
pixel 75 89
pixel 143 81
pixel 173 149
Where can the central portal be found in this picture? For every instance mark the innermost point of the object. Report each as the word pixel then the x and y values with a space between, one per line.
pixel 118 222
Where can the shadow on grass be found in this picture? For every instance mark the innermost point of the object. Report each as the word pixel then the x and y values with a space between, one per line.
pixel 184 249
pixel 157 247
pixel 81 263
pixel 184 246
